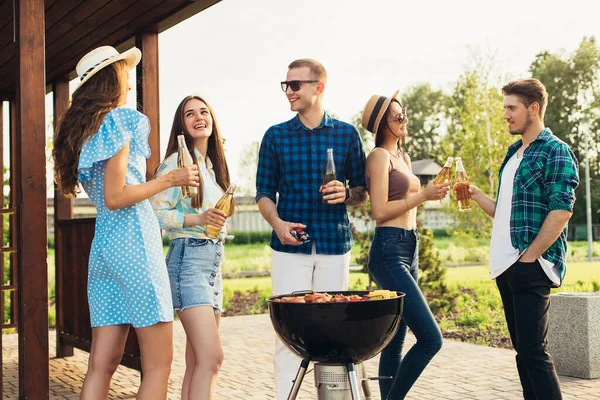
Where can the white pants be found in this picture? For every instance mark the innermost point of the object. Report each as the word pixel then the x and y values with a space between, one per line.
pixel 291 272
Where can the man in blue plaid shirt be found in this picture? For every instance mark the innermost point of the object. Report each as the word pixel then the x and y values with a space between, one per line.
pixel 529 238
pixel 290 196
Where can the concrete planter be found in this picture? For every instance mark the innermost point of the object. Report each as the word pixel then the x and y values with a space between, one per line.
pixel 574 334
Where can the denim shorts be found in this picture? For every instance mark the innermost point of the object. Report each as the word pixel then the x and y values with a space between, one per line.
pixel 194 267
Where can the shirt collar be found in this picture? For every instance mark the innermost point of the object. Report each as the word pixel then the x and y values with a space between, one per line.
pixel 326 121
pixel 201 161
pixel 544 136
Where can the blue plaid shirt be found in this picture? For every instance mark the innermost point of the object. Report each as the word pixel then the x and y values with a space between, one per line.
pixel 290 163
pixel 545 180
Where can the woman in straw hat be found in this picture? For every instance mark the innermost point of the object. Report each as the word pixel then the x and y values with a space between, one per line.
pixel 393 259
pixel 194 260
pixel 104 146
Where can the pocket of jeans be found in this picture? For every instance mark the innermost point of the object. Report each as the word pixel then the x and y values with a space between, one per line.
pixel 193 242
pixel 530 273
pixel 391 239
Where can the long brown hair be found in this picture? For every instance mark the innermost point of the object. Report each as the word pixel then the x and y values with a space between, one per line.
pixel 215 150
pixel 90 103
pixel 382 127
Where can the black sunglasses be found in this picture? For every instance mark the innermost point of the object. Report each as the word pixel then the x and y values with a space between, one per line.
pixel 294 85
pixel 400 118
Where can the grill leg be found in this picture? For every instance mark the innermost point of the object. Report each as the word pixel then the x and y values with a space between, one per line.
pixel 353 381
pixel 298 381
pixel 365 383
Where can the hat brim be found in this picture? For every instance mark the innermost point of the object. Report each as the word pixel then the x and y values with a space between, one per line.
pixel 379 105
pixel 132 57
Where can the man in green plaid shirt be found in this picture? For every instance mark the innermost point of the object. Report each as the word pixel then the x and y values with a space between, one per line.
pixel 535 200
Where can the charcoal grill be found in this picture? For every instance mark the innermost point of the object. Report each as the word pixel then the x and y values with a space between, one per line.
pixel 337 336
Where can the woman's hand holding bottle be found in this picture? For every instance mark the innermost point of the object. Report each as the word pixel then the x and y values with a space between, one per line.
pixel 186 176
pixel 436 192
pixel 214 217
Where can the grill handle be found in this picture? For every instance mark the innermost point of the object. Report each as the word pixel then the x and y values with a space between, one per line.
pixel 299 292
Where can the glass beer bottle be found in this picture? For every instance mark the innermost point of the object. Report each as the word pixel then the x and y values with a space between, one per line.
pixel 444 175
pixel 463 197
pixel 226 205
pixel 328 174
pixel 184 159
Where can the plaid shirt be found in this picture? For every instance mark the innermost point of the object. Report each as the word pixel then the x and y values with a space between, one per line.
pixel 545 180
pixel 290 163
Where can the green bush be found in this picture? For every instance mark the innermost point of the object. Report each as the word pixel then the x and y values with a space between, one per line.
pixel 432 279
pixel 441 232
pixel 251 237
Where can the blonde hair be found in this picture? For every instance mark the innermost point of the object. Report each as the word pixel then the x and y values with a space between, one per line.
pixel 317 70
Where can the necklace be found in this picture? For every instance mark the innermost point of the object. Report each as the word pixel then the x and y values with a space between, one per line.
pixel 392 154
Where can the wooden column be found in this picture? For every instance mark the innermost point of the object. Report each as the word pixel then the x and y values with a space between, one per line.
pixel 147 93
pixel 60 89
pixel 31 201
pixel 63 210
pixel 2 266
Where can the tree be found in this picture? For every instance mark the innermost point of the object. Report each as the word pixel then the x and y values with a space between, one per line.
pixel 248 166
pixel 426 114
pixel 573 85
pixel 432 279
pixel 367 137
pixel 477 133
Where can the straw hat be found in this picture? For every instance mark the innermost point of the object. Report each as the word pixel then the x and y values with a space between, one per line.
pixel 102 56
pixel 374 110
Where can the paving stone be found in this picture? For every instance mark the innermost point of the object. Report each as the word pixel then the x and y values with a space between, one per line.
pixel 460 371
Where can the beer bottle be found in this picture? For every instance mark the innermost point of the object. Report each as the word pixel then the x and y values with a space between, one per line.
pixel 328 174
pixel 225 204
pixel 444 175
pixel 462 187
pixel 184 159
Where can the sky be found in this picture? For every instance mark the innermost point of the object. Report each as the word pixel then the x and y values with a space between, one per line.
pixel 236 52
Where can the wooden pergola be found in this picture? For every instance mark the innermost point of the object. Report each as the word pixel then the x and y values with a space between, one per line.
pixel 40 44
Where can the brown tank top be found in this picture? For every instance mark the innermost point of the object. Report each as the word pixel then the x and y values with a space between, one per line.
pixel 400 183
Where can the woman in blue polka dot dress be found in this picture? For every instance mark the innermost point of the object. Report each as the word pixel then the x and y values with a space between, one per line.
pixel 194 260
pixel 104 146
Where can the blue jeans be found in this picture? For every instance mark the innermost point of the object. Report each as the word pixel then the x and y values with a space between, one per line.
pixel 194 267
pixel 394 265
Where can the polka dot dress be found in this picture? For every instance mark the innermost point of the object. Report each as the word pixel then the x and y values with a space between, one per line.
pixel 127 275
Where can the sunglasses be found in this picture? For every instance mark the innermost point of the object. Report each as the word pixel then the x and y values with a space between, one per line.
pixel 294 85
pixel 402 116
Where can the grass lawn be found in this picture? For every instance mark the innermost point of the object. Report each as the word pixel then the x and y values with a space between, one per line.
pixel 476 314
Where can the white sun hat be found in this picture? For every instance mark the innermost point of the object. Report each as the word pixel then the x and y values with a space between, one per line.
pixel 102 56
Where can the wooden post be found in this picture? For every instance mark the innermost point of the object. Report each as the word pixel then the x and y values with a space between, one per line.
pixel 63 209
pixel 147 93
pixel 31 201
pixel 2 266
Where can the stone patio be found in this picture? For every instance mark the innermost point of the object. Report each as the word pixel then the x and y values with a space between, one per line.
pixel 460 371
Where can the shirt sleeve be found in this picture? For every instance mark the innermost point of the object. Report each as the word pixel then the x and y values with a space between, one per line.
pixel 355 166
pixel 165 202
pixel 562 177
pixel 267 172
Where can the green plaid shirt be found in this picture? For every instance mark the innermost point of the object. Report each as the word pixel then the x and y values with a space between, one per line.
pixel 545 180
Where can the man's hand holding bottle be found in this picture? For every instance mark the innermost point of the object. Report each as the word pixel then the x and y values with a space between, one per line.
pixel 334 192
